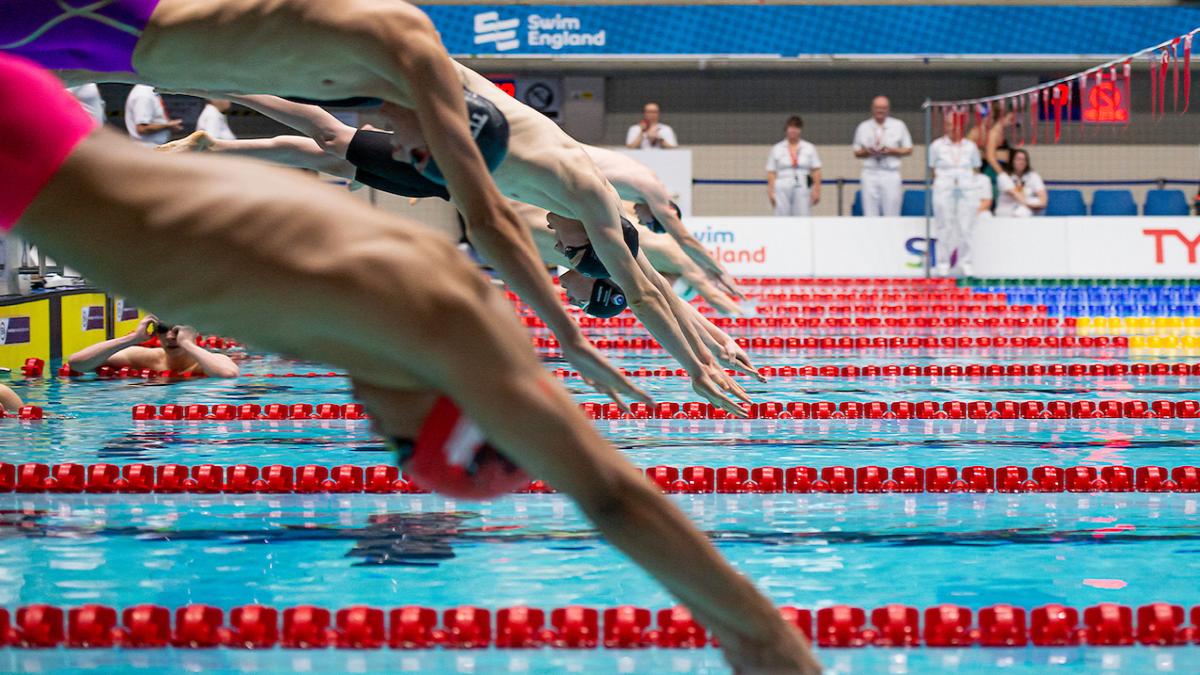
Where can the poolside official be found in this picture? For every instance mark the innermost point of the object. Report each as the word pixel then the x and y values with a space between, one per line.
pixel 880 142
pixel 793 173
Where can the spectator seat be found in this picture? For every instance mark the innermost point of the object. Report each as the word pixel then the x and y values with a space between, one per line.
pixel 856 207
pixel 1064 203
pixel 913 204
pixel 1113 203
pixel 1166 203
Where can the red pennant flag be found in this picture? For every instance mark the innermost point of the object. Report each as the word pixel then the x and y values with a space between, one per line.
pixel 1057 111
pixel 1162 84
pixel 1069 86
pixel 1175 64
pixel 1153 84
pixel 1034 118
pixel 1187 72
pixel 1128 69
pixel 1017 119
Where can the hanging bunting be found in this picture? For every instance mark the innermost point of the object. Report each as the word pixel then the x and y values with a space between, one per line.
pixel 1034 118
pixel 1187 71
pixel 1058 98
pixel 1175 69
pixel 1069 85
pixel 1128 69
pixel 1018 120
pixel 1162 84
pixel 1153 84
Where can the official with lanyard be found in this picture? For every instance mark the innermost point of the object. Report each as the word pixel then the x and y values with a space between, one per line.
pixel 793 174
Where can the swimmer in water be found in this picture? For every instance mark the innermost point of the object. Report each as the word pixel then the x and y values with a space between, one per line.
pixel 545 167
pixel 9 401
pixel 437 355
pixel 179 352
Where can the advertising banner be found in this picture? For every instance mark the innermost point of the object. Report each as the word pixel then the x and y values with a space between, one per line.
pixel 797 30
pixel 1133 247
pixel 765 246
pixel 1001 247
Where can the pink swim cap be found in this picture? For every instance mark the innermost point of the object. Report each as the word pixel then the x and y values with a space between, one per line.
pixel 450 456
pixel 40 124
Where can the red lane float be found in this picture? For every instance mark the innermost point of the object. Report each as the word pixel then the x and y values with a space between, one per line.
pixel 578 627
pixel 904 410
pixel 1101 345
pixel 386 479
pixel 227 412
pixel 974 370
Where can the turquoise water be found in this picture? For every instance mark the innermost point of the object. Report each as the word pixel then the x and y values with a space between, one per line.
pixel 812 550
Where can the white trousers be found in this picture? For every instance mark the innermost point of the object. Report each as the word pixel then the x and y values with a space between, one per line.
pixel 954 209
pixel 792 196
pixel 882 192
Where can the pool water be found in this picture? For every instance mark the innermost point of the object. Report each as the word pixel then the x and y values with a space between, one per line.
pixel 806 550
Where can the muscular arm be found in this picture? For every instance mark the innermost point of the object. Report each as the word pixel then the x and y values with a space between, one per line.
pixel 122 351
pixel 214 365
pixel 596 203
pixel 9 401
pixel 535 423
pixel 660 205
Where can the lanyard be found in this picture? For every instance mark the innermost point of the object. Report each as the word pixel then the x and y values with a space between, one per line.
pixel 794 155
pixel 955 154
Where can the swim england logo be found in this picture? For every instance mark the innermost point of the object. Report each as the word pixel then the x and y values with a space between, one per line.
pixel 555 32
pixel 489 28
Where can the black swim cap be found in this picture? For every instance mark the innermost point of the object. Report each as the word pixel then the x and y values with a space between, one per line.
pixel 607 300
pixel 587 263
pixel 489 128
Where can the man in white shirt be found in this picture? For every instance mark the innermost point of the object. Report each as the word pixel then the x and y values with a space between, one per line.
pixel 146 119
pixel 212 120
pixel 649 133
pixel 89 97
pixel 880 142
pixel 955 202
pixel 793 174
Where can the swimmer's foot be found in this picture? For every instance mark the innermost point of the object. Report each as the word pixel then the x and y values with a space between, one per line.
pixel 197 141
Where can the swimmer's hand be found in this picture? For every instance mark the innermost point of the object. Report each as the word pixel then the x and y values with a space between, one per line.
pixel 730 355
pixel 602 376
pixel 709 382
pixel 726 284
pixel 144 332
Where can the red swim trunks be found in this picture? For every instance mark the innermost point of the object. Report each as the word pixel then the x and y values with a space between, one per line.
pixel 450 456
pixel 40 124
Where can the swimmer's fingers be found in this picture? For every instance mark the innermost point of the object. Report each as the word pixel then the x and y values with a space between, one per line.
pixel 730 385
pixel 709 390
pixel 729 286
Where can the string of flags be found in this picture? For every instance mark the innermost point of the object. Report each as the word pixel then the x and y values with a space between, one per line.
pixel 1103 93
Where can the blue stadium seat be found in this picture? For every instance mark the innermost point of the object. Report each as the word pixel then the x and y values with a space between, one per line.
pixel 1113 203
pixel 1166 203
pixel 1064 203
pixel 856 207
pixel 913 204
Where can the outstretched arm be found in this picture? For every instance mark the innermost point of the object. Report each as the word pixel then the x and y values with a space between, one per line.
pixel 596 203
pixel 660 205
pixel 91 358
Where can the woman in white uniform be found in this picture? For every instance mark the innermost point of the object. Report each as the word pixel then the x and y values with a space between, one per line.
pixel 793 174
pixel 953 160
pixel 1022 191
